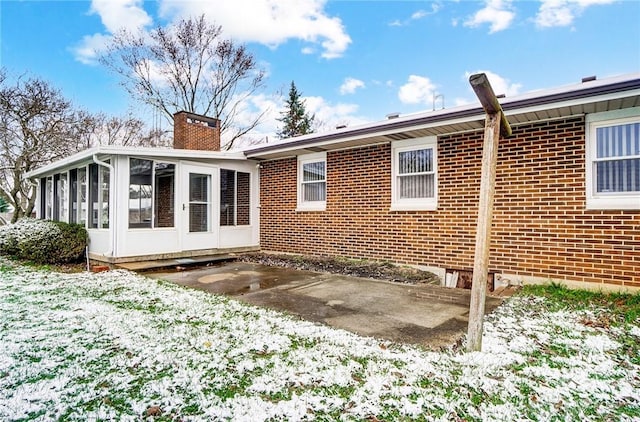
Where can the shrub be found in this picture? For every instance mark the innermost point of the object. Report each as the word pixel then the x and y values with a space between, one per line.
pixel 43 241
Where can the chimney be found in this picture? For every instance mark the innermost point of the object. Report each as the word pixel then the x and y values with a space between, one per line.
pixel 193 131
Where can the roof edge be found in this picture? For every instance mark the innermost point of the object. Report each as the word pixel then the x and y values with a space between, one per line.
pixel 532 99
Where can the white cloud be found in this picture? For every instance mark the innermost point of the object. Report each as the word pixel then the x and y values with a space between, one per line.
pixel 115 15
pixel 499 84
pixel 563 12
pixel 270 22
pixel 497 13
pixel 417 15
pixel 350 85
pixel 253 106
pixel 88 49
pixel 417 90
pixel 327 116
pixel 459 101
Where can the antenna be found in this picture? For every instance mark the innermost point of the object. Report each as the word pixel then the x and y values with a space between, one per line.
pixel 435 97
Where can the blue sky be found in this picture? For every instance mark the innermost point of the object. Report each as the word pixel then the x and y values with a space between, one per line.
pixel 354 61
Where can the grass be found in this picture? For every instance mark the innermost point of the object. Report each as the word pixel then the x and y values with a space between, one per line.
pixel 118 346
pixel 621 307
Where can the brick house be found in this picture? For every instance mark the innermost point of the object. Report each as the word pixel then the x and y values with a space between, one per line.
pixel 567 201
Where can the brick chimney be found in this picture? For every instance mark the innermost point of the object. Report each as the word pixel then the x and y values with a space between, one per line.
pixel 193 131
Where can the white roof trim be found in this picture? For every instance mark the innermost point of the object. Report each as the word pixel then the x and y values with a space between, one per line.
pixel 87 154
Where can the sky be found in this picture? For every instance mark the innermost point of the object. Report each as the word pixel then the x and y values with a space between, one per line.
pixel 354 61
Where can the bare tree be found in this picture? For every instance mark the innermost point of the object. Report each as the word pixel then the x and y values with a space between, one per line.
pixel 101 129
pixel 188 66
pixel 37 125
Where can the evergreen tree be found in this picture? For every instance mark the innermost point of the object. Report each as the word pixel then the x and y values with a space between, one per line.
pixel 295 119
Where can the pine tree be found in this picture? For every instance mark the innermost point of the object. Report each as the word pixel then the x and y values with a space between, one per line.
pixel 295 119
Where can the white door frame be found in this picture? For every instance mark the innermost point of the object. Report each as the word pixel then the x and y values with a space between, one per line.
pixel 209 238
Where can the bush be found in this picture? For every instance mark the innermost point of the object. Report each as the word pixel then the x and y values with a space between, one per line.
pixel 43 241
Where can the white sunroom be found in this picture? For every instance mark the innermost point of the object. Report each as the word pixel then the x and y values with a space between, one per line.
pixel 152 203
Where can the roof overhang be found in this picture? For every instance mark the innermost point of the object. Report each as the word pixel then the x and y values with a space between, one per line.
pixel 589 97
pixel 102 152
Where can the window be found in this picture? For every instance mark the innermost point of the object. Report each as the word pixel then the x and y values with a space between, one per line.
pixel 415 179
pixel 98 196
pixel 199 202
pixel 613 160
pixel 312 182
pixel 104 196
pixel 82 195
pixel 140 192
pixel 234 198
pixel 63 198
pixel 151 194
pixel 164 178
pixel 78 195
pixel 46 195
pixel 93 196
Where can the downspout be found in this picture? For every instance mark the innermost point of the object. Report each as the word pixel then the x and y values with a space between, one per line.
pixel 112 199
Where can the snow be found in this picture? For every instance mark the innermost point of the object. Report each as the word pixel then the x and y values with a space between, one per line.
pixel 112 345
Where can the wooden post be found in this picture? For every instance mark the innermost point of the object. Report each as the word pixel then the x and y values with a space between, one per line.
pixel 495 124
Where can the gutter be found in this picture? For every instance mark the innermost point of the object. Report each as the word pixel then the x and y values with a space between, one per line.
pixel 112 199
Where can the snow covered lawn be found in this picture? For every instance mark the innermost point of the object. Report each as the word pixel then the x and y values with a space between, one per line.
pixel 119 346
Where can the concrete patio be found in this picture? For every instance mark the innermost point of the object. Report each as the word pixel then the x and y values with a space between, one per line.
pixel 431 316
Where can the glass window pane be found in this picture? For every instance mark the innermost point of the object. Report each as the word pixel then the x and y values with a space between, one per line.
pixel 416 161
pixel 49 198
pixel 618 141
pixel 243 200
pixel 56 198
pixel 63 198
pixel 104 199
pixel 93 196
pixel 164 197
pixel 82 195
pixel 312 172
pixel 227 197
pixel 73 194
pixel 418 186
pixel 140 192
pixel 314 191
pixel 199 205
pixel 618 176
pixel 198 187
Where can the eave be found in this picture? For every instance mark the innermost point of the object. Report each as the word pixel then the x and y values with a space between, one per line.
pixel 102 152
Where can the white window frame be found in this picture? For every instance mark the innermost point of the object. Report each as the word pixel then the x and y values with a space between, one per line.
pixel 413 204
pixel 311 205
pixel 607 201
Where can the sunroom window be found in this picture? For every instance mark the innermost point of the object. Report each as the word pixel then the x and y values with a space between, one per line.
pixel 414 181
pixel 613 167
pixel 312 182
pixel 151 194
pixel 234 198
pixel 78 195
pixel 98 196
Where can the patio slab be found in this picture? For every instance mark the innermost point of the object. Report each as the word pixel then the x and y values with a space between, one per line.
pixel 431 316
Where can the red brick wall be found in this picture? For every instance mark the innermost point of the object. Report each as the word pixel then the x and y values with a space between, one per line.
pixel 540 229
pixel 243 199
pixel 164 207
pixel 193 131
